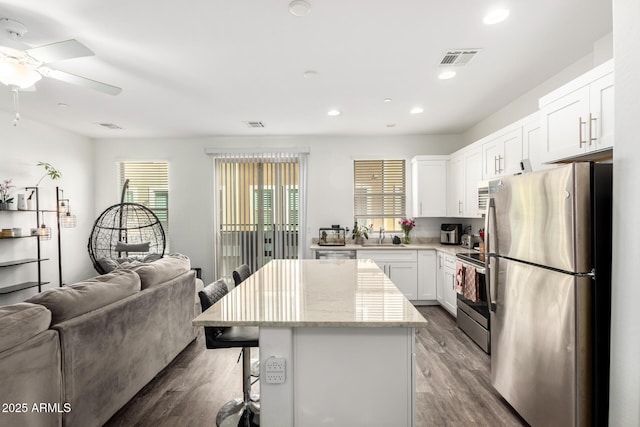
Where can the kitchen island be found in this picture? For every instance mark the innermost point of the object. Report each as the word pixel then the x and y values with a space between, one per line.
pixel 346 334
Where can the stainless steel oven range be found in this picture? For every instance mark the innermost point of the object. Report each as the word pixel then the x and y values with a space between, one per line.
pixel 473 317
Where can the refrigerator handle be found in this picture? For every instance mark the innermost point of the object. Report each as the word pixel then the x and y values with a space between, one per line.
pixel 490 236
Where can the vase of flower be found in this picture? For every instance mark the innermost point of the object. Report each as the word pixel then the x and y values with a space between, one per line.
pixel 407 225
pixel 5 197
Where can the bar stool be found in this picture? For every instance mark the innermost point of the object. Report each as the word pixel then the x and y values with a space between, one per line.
pixel 241 274
pixel 236 412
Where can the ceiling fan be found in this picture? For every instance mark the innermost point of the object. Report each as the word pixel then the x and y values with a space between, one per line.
pixel 22 66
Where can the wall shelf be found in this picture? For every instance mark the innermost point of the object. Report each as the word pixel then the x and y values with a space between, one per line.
pixel 21 262
pixel 38 259
pixel 20 286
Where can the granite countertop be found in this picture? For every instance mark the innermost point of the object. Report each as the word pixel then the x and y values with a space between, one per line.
pixel 416 244
pixel 315 293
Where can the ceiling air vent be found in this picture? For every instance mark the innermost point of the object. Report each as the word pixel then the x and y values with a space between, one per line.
pixel 110 126
pixel 255 124
pixel 458 57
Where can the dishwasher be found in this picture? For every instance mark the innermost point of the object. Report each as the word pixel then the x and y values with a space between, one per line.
pixel 334 254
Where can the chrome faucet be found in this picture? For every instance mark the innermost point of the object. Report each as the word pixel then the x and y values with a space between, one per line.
pixel 381 236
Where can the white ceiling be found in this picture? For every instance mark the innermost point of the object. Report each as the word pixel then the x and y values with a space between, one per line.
pixel 204 67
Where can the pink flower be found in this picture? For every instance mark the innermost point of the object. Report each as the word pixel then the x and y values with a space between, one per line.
pixel 407 224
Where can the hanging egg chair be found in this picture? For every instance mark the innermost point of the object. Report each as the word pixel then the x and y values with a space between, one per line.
pixel 125 232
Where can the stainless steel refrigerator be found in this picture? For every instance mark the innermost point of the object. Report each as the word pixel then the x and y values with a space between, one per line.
pixel 548 236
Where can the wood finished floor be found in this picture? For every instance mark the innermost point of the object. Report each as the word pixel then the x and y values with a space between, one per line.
pixel 453 386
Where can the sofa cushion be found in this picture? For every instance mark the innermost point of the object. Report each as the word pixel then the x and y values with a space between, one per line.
pixel 156 272
pixel 19 322
pixel 71 301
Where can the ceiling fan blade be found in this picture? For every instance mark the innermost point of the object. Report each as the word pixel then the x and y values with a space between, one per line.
pixel 80 81
pixel 58 51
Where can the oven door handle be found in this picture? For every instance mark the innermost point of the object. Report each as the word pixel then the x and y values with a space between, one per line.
pixel 480 270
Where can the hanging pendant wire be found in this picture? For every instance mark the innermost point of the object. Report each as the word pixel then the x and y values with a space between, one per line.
pixel 16 105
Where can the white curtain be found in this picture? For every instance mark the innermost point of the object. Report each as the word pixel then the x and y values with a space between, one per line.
pixel 259 208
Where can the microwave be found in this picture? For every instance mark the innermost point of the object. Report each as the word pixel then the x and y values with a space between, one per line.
pixel 331 237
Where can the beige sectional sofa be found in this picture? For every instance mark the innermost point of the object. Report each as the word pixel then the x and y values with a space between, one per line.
pixel 88 348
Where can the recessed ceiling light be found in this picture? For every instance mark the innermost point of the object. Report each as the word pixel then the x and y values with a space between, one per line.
pixel 391 125
pixel 445 75
pixel 299 8
pixel 310 74
pixel 334 113
pixel 387 100
pixel 495 16
pixel 416 110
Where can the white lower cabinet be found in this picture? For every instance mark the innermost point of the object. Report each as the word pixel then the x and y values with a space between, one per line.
pixel 399 265
pixel 446 274
pixel 427 275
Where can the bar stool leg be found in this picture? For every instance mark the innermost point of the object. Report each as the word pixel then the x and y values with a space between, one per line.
pixel 243 412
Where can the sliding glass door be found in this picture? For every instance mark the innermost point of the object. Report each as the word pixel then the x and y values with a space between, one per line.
pixel 258 210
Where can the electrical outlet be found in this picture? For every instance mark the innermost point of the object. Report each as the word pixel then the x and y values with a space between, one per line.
pixel 274 370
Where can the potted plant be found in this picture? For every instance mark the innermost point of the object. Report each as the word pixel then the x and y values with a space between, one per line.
pixel 360 232
pixel 51 172
pixel 5 197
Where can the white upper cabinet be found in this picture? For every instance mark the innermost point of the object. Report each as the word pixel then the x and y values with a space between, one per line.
pixel 429 186
pixel 465 170
pixel 577 118
pixel 502 153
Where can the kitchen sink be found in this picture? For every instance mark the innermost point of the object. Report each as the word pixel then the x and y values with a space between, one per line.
pixel 383 245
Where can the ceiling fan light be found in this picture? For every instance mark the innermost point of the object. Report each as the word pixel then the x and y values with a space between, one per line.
pixel 15 74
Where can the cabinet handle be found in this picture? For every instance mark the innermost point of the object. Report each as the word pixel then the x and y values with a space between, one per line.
pixel 495 168
pixel 500 159
pixel 420 208
pixel 459 207
pixel 580 123
pixel 591 122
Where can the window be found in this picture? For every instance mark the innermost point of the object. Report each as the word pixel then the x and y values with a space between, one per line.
pixel 258 209
pixel 379 193
pixel 148 186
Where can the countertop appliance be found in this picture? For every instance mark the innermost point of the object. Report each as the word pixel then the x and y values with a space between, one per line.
pixel 333 236
pixel 473 316
pixel 548 239
pixel 469 241
pixel 450 234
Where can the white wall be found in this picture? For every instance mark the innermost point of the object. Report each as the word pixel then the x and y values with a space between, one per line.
pixel 22 147
pixel 527 103
pixel 330 178
pixel 625 340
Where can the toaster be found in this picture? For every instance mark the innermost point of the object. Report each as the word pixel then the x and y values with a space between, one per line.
pixel 469 240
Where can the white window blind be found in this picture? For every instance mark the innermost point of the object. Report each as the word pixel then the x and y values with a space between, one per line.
pixel 379 193
pixel 148 186
pixel 258 208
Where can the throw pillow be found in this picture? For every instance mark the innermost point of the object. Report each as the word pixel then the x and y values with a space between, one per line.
pixel 156 272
